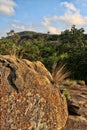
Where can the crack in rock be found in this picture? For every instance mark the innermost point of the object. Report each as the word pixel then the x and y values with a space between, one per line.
pixel 12 76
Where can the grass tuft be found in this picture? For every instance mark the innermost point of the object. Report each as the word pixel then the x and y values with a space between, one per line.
pixel 60 74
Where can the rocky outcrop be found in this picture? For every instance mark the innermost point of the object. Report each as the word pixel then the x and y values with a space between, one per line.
pixel 29 100
pixel 77 108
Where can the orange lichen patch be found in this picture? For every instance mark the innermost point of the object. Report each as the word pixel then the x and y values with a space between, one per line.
pixel 27 124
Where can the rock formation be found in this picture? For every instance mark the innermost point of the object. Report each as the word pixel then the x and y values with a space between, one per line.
pixel 28 99
pixel 77 119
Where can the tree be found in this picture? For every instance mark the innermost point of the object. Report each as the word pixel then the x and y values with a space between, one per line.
pixel 10 33
pixel 73 37
pixel 77 37
pixel 74 44
pixel 9 45
pixel 13 42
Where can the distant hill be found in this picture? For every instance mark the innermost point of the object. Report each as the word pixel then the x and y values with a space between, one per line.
pixel 30 35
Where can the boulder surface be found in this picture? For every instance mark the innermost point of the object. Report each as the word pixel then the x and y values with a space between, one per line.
pixel 28 99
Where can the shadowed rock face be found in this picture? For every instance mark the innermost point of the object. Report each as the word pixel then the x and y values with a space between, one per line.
pixel 28 100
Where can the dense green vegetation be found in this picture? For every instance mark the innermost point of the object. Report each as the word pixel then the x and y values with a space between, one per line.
pixel 70 48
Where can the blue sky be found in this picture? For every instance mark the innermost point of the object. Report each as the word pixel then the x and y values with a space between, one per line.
pixel 42 15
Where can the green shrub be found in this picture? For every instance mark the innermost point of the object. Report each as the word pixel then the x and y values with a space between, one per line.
pixel 81 82
pixel 65 92
pixel 71 82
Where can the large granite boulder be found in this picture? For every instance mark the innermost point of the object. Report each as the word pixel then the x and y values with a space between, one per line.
pixel 28 99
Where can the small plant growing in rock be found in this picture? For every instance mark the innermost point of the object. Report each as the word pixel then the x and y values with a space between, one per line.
pixel 81 82
pixel 71 82
pixel 65 92
pixel 59 75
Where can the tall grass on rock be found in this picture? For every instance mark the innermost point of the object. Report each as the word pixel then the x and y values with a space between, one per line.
pixel 61 73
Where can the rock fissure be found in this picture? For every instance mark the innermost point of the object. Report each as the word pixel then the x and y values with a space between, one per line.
pixel 12 76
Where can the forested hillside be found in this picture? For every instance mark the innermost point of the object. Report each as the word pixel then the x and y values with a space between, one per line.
pixel 69 48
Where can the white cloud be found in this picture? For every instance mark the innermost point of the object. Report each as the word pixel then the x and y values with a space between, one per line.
pixel 7 7
pixel 72 16
pixel 69 6
pixel 16 21
pixel 46 21
pixel 19 27
pixel 54 30
pixel 76 19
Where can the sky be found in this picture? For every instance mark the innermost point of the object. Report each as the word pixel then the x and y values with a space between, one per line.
pixel 42 15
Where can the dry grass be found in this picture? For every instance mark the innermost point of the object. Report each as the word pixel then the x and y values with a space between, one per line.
pixel 60 74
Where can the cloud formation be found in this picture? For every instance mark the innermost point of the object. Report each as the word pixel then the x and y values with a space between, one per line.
pixel 17 27
pixel 69 6
pixel 72 16
pixel 7 7
pixel 47 23
pixel 54 30
pixel 21 27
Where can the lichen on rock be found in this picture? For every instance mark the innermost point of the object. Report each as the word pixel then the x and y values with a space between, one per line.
pixel 29 100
